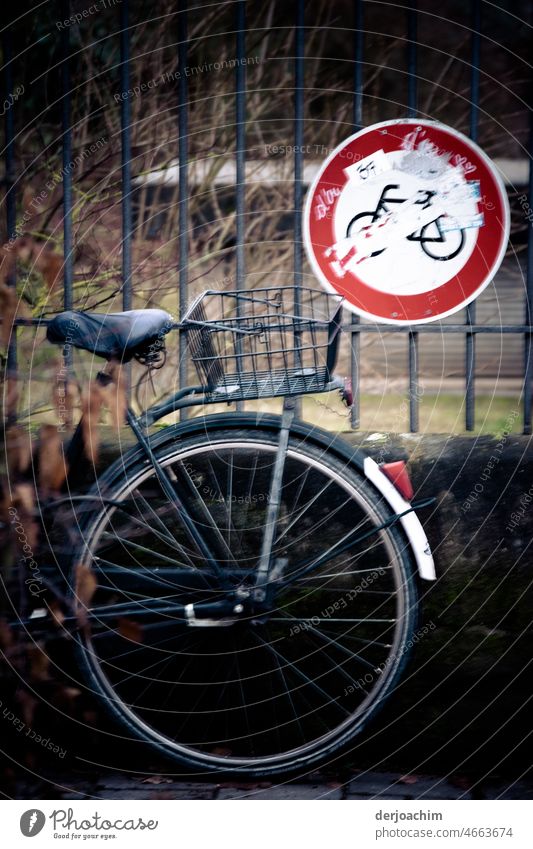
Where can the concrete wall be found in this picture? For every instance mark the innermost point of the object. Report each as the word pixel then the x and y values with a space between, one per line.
pixel 467 704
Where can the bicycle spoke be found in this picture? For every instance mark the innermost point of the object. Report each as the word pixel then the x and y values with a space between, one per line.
pixel 229 496
pixel 159 708
pixel 303 511
pixel 366 642
pixel 344 572
pixel 145 574
pixel 207 515
pixel 189 553
pixel 338 548
pixel 301 486
pixel 289 697
pixel 129 542
pixel 326 520
pixel 306 679
pixel 301 695
pixel 248 499
pixel 163 533
pixel 339 667
pixel 349 654
pixel 230 528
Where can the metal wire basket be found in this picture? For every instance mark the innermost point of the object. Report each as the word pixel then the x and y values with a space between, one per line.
pixel 263 342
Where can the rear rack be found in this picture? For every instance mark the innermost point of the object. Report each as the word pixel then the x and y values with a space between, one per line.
pixel 263 343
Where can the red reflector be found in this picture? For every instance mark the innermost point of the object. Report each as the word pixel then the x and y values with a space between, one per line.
pixel 398 475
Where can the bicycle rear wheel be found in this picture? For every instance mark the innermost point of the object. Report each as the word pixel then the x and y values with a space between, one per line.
pixel 269 693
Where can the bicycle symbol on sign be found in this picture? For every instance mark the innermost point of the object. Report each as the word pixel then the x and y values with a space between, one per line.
pixel 437 243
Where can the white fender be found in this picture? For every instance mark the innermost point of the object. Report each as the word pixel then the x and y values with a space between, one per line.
pixel 410 522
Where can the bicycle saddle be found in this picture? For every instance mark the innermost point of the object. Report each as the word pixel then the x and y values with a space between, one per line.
pixel 118 335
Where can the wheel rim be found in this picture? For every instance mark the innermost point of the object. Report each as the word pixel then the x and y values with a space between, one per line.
pixel 269 689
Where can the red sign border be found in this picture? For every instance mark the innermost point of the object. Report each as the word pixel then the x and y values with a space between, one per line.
pixel 487 255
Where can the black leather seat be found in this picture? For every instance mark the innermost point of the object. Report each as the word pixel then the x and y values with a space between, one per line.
pixel 118 335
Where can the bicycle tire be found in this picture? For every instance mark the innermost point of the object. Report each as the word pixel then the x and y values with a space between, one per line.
pixel 270 680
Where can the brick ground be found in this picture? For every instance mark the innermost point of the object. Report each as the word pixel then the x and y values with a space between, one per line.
pixel 368 785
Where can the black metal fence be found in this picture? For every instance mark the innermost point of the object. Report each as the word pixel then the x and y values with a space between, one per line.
pixel 355 31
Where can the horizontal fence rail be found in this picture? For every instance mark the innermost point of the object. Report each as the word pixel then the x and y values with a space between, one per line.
pixel 362 64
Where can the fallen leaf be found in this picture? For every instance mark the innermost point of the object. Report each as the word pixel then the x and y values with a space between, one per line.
pixel 42 258
pixel 51 266
pixel 85 586
pixel 6 635
pixel 90 717
pixel 130 630
pixel 71 692
pixel 24 497
pixel 408 779
pixel 39 663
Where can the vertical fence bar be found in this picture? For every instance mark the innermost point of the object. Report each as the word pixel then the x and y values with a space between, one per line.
pixel 413 381
pixel 298 160
pixel 528 347
pixel 355 340
pixel 183 187
pixel 240 158
pixel 10 196
pixel 412 97
pixel 470 353
pixel 125 141
pixel 67 160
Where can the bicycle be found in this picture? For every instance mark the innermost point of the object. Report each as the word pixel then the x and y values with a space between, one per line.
pixel 428 243
pixel 255 579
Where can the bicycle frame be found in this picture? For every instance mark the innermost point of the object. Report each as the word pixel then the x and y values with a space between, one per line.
pixel 195 395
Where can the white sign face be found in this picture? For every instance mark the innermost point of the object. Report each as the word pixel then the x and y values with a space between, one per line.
pixel 408 220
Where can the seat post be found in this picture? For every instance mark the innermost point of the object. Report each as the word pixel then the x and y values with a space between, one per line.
pixel 274 500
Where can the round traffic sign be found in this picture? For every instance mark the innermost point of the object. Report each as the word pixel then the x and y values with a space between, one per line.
pixel 408 220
